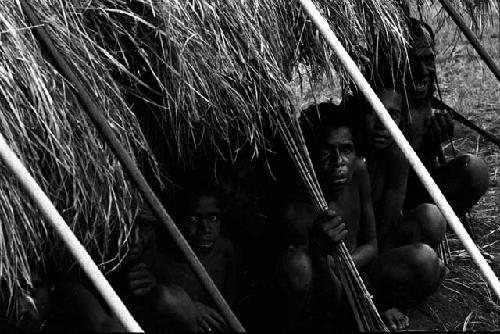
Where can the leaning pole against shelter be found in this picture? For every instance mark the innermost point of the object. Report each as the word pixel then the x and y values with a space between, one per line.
pixel 51 214
pixel 403 144
pixel 87 100
pixel 485 56
pixel 208 70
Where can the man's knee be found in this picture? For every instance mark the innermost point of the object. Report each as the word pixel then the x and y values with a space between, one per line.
pixel 428 268
pixel 176 303
pixel 432 224
pixel 463 180
pixel 477 174
pixel 297 269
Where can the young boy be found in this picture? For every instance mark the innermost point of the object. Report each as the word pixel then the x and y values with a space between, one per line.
pixel 162 277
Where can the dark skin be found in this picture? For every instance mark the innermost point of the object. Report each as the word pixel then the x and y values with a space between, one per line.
pixel 83 305
pixel 429 129
pixel 174 278
pixel 407 258
pixel 387 166
pixel 202 230
pixel 345 182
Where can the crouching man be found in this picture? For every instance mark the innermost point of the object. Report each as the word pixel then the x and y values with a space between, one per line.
pixel 311 290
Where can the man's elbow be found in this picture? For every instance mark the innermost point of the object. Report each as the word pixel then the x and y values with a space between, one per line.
pixel 372 250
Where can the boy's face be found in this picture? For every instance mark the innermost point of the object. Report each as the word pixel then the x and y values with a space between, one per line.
pixel 335 159
pixel 378 136
pixel 202 227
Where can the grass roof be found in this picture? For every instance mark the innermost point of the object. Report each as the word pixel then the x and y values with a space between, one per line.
pixel 213 74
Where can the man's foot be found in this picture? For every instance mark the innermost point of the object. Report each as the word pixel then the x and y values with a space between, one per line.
pixel 395 320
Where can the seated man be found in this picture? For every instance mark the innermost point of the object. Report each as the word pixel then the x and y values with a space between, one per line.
pixel 310 290
pixel 464 179
pixel 406 242
pixel 163 278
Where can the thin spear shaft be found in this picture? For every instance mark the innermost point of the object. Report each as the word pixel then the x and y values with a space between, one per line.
pixel 399 138
pixel 130 167
pixel 438 104
pixel 52 216
pixel 459 21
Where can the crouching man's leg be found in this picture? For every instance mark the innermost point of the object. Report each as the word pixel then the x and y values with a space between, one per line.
pixel 309 289
pixel 402 276
pixel 463 181
pixel 424 224
pixel 296 275
pixel 175 307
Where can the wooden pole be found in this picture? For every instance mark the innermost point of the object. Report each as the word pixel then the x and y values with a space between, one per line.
pixel 130 167
pixel 438 104
pixel 471 37
pixel 423 174
pixel 52 216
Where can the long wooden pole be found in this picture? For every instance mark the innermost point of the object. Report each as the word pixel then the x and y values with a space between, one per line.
pixel 438 104
pixel 52 216
pixel 130 166
pixel 471 37
pixel 423 174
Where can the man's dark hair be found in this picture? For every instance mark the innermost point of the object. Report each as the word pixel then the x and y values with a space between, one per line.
pixel 422 36
pixel 418 29
pixel 319 119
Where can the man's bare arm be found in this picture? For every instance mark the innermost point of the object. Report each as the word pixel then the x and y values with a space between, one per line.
pixel 367 237
pixel 393 197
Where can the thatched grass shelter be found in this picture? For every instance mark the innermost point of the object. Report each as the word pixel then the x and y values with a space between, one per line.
pixel 174 78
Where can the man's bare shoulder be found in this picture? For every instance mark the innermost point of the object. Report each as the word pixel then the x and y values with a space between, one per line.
pixel 394 154
pixel 225 245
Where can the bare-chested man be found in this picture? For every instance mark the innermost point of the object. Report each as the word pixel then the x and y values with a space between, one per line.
pixel 464 179
pixel 310 286
pixel 407 269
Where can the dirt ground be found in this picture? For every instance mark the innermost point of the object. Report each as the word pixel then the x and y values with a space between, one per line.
pixel 465 302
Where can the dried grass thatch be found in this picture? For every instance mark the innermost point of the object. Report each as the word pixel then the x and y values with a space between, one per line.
pixel 479 14
pixel 211 76
pixel 218 69
pixel 44 124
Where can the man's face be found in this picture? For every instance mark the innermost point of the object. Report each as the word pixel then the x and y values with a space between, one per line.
pixel 335 159
pixel 202 227
pixel 422 67
pixel 378 135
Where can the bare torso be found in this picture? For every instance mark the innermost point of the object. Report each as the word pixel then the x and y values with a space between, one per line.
pixel 219 263
pixel 300 214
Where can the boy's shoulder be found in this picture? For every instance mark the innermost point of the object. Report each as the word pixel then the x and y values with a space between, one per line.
pixel 225 245
pixel 359 165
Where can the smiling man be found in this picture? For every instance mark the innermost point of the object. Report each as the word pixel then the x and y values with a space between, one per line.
pixel 420 79
pixel 464 179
